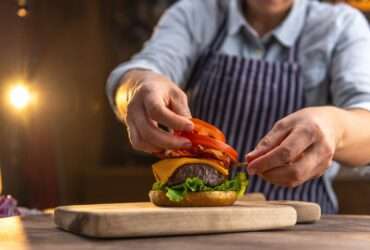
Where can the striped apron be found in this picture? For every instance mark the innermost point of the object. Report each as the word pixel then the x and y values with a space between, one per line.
pixel 244 98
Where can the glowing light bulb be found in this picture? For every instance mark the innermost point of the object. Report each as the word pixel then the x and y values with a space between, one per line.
pixel 22 12
pixel 20 96
pixel 22 8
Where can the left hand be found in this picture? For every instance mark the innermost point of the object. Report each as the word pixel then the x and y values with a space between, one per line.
pixel 299 147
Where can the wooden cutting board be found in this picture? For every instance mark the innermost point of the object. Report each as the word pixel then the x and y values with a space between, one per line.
pixel 307 212
pixel 145 219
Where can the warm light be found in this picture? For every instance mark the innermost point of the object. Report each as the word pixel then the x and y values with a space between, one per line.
pixel 22 12
pixel 22 8
pixel 20 96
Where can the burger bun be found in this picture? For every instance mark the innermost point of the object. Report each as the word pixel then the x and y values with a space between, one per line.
pixel 195 199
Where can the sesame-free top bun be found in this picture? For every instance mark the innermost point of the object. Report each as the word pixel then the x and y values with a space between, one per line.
pixel 196 199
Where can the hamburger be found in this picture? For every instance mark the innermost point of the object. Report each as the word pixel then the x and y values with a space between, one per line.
pixel 198 176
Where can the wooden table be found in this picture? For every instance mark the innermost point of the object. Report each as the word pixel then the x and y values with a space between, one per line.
pixel 332 232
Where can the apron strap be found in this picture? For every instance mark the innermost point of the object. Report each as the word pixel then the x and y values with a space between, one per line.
pixel 218 40
pixel 220 36
pixel 215 45
pixel 293 51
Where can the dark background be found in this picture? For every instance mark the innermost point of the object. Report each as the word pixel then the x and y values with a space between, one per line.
pixel 70 145
pixel 70 148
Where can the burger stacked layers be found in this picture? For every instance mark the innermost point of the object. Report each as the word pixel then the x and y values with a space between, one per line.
pixel 198 176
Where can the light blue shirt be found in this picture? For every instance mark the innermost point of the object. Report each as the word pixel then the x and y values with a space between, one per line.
pixel 334 50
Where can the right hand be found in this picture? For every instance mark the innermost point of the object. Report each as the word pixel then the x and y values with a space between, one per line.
pixel 146 99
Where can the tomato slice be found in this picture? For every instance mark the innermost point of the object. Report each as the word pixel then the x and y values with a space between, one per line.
pixel 208 142
pixel 204 128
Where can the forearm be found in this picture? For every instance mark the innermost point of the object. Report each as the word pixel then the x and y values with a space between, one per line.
pixel 353 146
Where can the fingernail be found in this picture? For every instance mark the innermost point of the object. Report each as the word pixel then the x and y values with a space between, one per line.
pixel 254 152
pixel 252 155
pixel 188 127
pixel 248 158
pixel 251 171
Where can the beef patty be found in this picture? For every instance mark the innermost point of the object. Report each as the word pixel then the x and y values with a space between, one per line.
pixel 209 175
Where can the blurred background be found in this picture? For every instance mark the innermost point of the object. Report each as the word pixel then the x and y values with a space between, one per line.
pixel 60 142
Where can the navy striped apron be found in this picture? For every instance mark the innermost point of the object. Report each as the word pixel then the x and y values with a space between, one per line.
pixel 244 98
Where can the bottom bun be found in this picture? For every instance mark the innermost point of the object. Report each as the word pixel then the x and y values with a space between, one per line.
pixel 196 199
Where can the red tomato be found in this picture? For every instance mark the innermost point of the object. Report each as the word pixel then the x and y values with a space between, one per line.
pixel 204 128
pixel 208 142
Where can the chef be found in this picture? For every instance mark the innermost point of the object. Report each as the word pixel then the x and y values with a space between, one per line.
pixel 288 82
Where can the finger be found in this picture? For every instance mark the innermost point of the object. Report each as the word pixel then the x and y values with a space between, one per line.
pixel 282 176
pixel 157 111
pixel 317 158
pixel 136 141
pixel 179 104
pixel 277 134
pixel 294 174
pixel 158 137
pixel 288 151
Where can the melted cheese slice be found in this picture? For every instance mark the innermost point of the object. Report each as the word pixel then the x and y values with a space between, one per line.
pixel 163 169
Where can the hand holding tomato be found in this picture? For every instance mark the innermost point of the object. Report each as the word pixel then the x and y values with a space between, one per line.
pixel 147 99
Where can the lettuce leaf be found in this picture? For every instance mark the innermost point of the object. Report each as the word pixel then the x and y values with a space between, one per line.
pixel 194 184
pixel 175 195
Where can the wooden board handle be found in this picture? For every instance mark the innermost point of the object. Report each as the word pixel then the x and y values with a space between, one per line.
pixel 307 212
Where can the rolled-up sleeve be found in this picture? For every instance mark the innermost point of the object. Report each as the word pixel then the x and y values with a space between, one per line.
pixel 350 69
pixel 173 47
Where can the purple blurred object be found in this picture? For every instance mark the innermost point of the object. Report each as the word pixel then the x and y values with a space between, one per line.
pixel 8 206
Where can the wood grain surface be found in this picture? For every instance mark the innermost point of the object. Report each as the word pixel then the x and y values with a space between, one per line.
pixel 307 212
pixel 145 219
pixel 330 233
pixel 253 197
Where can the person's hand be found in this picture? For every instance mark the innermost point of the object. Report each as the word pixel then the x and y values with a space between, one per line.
pixel 147 99
pixel 299 147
